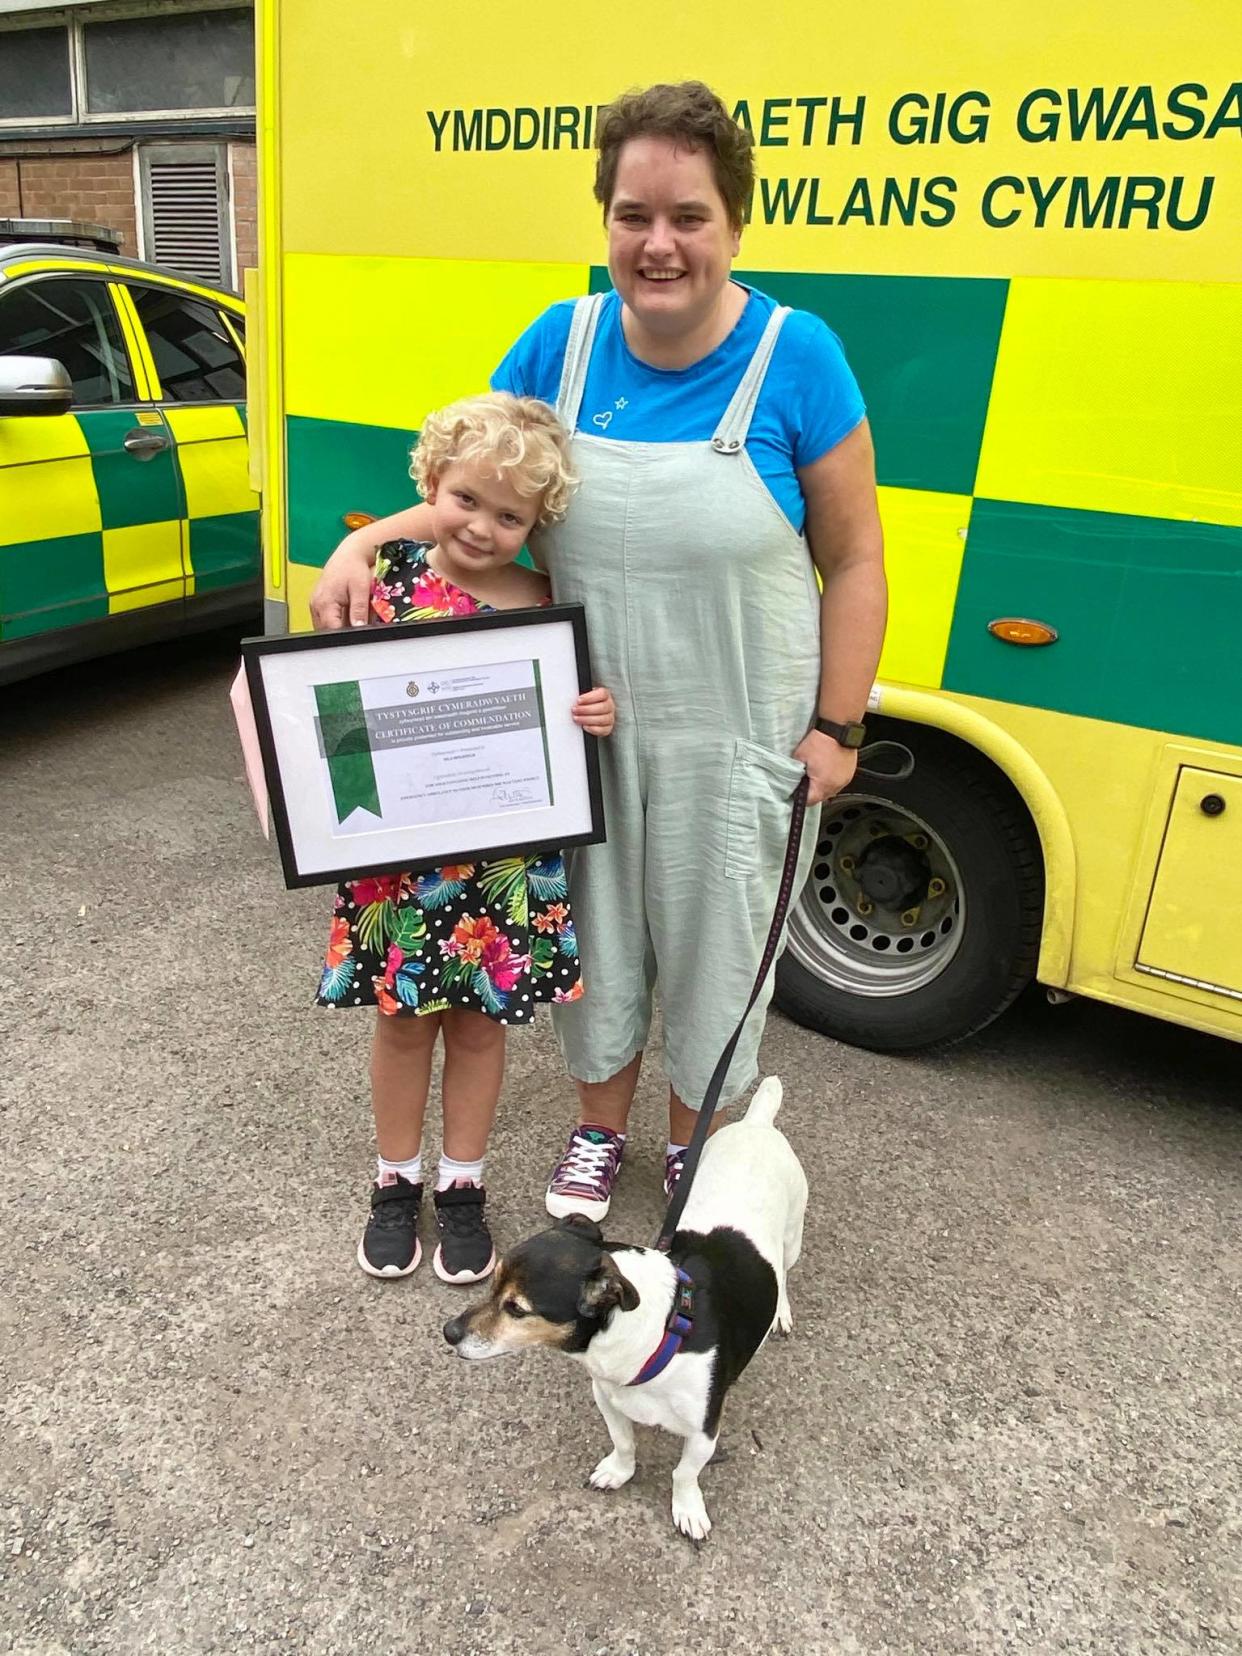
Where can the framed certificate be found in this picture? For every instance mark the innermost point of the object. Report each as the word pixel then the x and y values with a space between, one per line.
pixel 409 746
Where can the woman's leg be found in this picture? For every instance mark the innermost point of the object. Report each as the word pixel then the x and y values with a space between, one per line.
pixel 401 1056
pixel 681 1120
pixel 608 1103
pixel 474 1068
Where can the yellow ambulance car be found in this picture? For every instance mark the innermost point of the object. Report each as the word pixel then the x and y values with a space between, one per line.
pixel 1028 234
pixel 126 508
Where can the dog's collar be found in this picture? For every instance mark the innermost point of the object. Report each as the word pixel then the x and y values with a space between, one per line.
pixel 680 1322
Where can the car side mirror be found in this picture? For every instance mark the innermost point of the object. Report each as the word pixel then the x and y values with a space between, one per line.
pixel 34 385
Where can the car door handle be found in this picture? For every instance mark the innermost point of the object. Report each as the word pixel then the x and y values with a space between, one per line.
pixel 143 443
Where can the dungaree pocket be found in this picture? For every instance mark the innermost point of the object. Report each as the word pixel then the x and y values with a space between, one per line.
pixel 761 786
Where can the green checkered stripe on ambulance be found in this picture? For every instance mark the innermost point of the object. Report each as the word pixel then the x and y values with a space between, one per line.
pixel 1063 451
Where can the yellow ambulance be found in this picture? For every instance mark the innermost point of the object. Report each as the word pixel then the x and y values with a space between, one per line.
pixel 1029 240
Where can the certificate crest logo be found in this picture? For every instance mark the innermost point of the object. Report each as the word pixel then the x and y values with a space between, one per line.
pixel 411 688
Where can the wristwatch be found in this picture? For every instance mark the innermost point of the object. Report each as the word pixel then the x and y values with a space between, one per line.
pixel 851 735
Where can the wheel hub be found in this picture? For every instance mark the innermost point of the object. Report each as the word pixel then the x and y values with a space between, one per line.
pixel 893 874
pixel 882 910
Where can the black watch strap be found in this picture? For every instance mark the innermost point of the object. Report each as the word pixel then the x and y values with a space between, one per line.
pixel 851 735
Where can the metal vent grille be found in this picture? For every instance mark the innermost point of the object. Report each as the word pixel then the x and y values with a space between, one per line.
pixel 186 218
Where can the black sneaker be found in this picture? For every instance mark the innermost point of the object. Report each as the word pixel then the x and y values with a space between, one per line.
pixel 390 1245
pixel 465 1252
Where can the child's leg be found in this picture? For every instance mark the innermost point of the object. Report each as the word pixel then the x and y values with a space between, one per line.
pixel 401 1056
pixel 474 1067
pixel 400 1077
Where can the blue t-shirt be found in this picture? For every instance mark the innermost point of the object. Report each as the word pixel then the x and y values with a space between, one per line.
pixel 810 400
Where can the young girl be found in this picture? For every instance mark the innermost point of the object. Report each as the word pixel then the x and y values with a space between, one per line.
pixel 465 949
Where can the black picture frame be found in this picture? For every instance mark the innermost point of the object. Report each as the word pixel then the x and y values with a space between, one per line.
pixel 411 647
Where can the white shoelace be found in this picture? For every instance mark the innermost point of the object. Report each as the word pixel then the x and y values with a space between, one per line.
pixel 587 1163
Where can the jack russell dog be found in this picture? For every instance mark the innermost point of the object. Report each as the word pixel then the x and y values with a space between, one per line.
pixel 662 1335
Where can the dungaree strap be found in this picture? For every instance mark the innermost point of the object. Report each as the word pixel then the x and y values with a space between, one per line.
pixel 577 358
pixel 734 427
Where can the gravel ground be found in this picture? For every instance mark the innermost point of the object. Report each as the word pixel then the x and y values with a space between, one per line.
pixel 1007 1421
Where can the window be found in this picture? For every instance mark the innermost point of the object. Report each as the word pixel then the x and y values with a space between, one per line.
pixel 201 61
pixel 194 356
pixel 74 322
pixel 34 74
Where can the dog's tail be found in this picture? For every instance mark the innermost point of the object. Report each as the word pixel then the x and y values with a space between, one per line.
pixel 765 1103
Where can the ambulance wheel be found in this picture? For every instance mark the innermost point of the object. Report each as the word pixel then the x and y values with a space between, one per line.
pixel 920 920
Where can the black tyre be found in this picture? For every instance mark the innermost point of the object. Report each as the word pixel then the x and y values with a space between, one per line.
pixel 920 920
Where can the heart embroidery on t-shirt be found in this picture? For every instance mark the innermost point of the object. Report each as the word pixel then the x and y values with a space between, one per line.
pixel 604 420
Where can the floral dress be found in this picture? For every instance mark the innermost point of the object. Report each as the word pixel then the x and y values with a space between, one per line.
pixel 493 937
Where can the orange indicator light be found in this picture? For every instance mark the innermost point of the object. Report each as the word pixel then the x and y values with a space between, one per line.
pixel 1012 630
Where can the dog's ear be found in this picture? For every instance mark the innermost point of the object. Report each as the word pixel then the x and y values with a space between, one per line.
pixel 581 1226
pixel 605 1289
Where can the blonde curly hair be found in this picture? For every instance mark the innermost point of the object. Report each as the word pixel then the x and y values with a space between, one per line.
pixel 520 437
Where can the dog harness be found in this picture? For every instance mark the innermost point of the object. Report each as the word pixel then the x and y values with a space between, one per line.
pixel 680 1322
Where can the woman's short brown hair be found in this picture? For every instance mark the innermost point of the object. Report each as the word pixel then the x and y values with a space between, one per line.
pixel 689 113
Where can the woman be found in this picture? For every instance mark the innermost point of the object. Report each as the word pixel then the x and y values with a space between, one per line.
pixel 724 456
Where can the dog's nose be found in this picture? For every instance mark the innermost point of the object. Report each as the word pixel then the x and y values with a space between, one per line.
pixel 455 1329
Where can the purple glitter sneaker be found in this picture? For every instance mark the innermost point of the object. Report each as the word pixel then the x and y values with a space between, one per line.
pixel 673 1165
pixel 582 1181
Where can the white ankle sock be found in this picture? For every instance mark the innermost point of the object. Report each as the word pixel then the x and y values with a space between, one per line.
pixel 672 1149
pixel 411 1170
pixel 454 1172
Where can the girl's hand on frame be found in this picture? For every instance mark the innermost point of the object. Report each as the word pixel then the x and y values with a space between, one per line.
pixel 595 711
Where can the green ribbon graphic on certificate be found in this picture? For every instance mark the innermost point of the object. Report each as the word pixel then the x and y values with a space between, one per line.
pixel 347 748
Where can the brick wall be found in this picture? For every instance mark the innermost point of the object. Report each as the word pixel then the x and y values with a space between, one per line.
pixel 245 166
pixel 98 188
pixel 95 186
pixel 9 196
